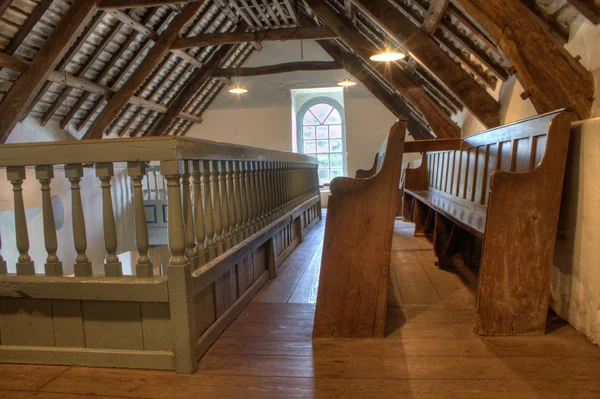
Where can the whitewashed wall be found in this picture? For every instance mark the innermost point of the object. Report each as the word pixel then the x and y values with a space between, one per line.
pixel 576 275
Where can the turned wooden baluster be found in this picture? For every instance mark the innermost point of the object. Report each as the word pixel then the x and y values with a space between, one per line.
pixel 201 250
pixel 188 216
pixel 260 194
pixel 16 175
pixel 137 171
pixel 171 170
pixel 250 196
pixel 112 265
pixel 216 201
pixel 231 198
pixel 224 205
pixel 244 225
pixel 265 192
pixel 270 190
pixel 83 267
pixel 3 268
pixel 211 246
pixel 277 177
pixel 53 266
pixel 255 196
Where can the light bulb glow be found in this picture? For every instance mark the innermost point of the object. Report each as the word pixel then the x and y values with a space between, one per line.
pixel 388 56
pixel 347 83
pixel 238 90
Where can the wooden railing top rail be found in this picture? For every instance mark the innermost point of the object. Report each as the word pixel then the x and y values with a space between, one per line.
pixel 512 131
pixel 166 148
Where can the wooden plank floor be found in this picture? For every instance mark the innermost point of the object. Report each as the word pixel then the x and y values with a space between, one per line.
pixel 429 351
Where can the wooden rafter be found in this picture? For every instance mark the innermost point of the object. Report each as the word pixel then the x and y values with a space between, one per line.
pixel 404 83
pixel 427 53
pixel 588 8
pixel 274 69
pixel 116 103
pixel 112 4
pixel 31 81
pixel 290 8
pixel 213 39
pixel 560 31
pixel 179 103
pixel 434 15
pixel 551 75
pixel 4 4
pixel 354 65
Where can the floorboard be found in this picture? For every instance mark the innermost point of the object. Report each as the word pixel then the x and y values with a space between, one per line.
pixel 430 350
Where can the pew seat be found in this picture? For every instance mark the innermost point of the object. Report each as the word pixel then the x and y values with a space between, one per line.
pixel 503 187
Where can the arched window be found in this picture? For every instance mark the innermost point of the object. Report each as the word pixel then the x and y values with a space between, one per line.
pixel 321 134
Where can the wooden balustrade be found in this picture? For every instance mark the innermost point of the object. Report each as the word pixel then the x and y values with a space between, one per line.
pixel 234 214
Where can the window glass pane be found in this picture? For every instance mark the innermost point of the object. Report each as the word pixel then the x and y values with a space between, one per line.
pixel 323 146
pixel 333 118
pixel 323 160
pixel 321 111
pixel 309 119
pixel 335 131
pixel 309 146
pixel 308 132
pixel 336 173
pixel 323 176
pixel 336 145
pixel 322 132
pixel 336 161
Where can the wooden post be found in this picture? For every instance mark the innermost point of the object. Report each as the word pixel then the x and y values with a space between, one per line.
pixel 201 250
pixel 112 266
pixel 260 194
pixel 243 200
pixel 188 217
pixel 270 190
pixel 83 267
pixel 181 299
pixel 137 171
pixel 255 195
pixel 16 175
pixel 216 200
pixel 233 230
pixel 53 266
pixel 208 211
pixel 249 197
pixel 224 205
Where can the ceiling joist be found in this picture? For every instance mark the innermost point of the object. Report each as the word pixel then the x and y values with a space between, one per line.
pixel 275 69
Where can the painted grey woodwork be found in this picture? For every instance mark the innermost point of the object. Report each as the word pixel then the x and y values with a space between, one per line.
pixel 225 205
pixel 25 265
pixel 83 267
pixel 53 266
pixel 201 250
pixel 137 171
pixel 112 266
pixel 188 217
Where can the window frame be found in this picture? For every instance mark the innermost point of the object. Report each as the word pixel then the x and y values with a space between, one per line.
pixel 299 127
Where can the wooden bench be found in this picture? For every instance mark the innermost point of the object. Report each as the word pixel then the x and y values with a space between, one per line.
pixel 355 268
pixel 504 187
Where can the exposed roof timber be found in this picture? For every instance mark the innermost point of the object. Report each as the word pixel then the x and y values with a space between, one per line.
pixel 560 31
pixel 112 4
pixel 434 15
pixel 75 82
pixel 116 102
pixel 404 83
pixel 552 76
pixel 31 81
pixel 427 53
pixel 275 69
pixel 4 4
pixel 290 8
pixel 457 14
pixel 213 39
pixel 588 8
pixel 355 66
pixel 26 28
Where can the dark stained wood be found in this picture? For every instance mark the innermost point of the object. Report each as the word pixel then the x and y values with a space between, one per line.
pixel 31 81
pixel 110 4
pixel 274 69
pixel 395 104
pixel 22 33
pixel 213 39
pixel 560 31
pixel 588 8
pixel 404 83
pixel 4 4
pixel 355 268
pixel 363 174
pixel 163 44
pixel 545 68
pixel 427 53
pixel 515 214
pixel 432 145
pixel 434 15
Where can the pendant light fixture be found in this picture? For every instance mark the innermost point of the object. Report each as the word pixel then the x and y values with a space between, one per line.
pixel 238 90
pixel 347 82
pixel 387 56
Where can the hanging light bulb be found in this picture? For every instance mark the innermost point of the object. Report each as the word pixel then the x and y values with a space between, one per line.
pixel 238 90
pixel 387 56
pixel 346 83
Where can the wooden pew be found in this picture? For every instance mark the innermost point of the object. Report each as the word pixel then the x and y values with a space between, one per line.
pixel 355 268
pixel 504 187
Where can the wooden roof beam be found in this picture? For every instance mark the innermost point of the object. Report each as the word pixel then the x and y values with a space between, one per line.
pixel 163 44
pixel 116 4
pixel 427 53
pixel 213 39
pixel 434 15
pixel 354 65
pixel 22 93
pixel 275 69
pixel 588 8
pixel 552 76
